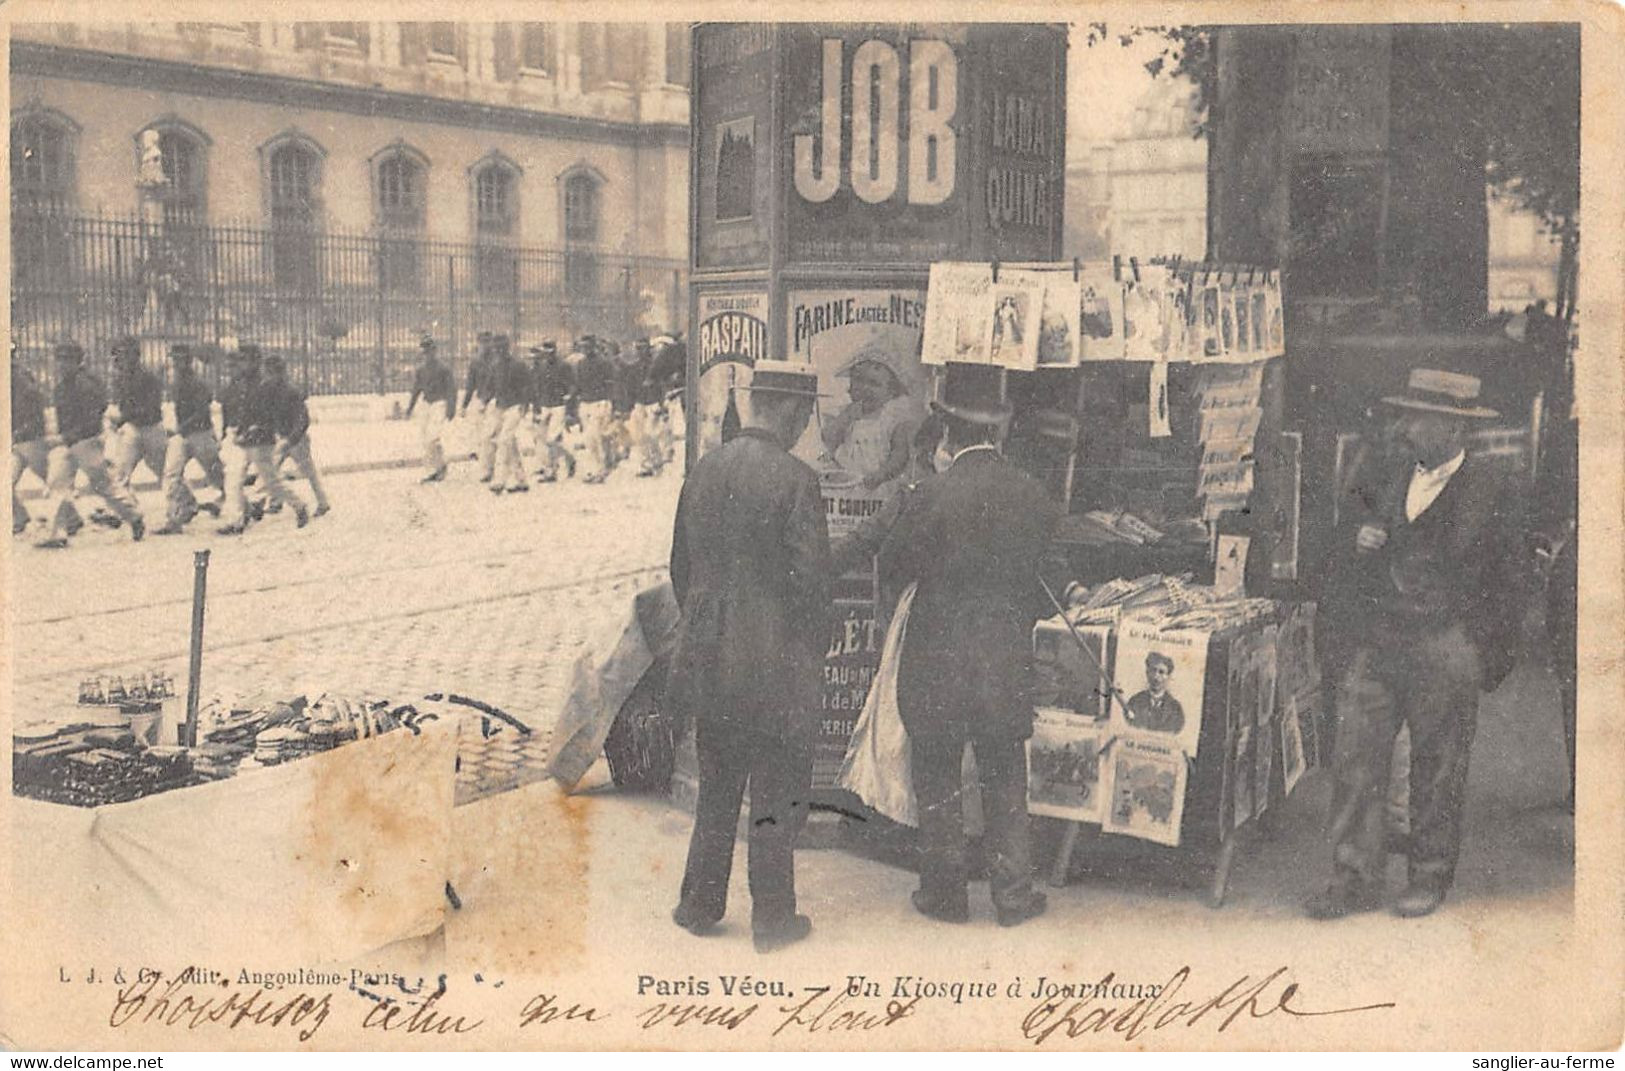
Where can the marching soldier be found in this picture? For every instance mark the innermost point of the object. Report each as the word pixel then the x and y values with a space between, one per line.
pixel 193 440
pixel 290 419
pixel 250 442
pixel 433 383
pixel 138 425
pixel 29 450
pixel 595 389
pixel 478 390
pixel 667 372
pixel 510 395
pixel 550 382
pixel 80 401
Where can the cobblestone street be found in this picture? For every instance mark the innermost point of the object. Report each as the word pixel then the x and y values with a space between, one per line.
pixel 403 589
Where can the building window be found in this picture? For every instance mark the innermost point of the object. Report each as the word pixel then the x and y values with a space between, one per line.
pixel 399 197
pixel 442 42
pixel 293 172
pixel 496 217
pixel 42 174
pixel 183 152
pixel 677 54
pixel 536 47
pixel 625 44
pixel 581 211
pixel 42 194
pixel 590 50
pixel 349 35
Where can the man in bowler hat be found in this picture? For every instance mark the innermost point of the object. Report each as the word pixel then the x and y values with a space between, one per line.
pixel 972 537
pixel 750 565
pixel 1421 606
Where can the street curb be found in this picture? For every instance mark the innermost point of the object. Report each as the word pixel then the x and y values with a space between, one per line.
pixel 33 494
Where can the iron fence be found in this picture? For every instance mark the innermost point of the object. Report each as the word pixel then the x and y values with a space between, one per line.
pixel 345 309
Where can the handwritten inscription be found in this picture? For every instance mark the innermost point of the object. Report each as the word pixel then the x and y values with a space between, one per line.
pixel 1255 999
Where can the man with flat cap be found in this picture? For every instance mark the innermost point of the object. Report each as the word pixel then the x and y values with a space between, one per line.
pixel 1421 605
pixel 194 439
pixel 750 565
pixel 972 538
pixel 434 386
pixel 595 391
pixel 510 396
pixel 81 401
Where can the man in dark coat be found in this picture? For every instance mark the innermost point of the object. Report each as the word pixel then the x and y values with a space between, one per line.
pixel 550 384
pixel 1423 607
pixel 138 426
pixel 972 537
pixel 750 566
pixel 29 450
pixel 434 386
pixel 193 439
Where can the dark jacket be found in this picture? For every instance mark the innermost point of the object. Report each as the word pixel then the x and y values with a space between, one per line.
pixel 250 406
pixel 595 379
pixel 139 397
pixel 750 566
pixel 27 407
pixel 973 538
pixel 511 383
pixel 481 382
pixel 434 384
pixel 550 382
pixel 80 401
pixel 1455 564
pixel 289 415
pixel 192 401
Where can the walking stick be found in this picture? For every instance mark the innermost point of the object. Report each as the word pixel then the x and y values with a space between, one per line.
pixel 1112 691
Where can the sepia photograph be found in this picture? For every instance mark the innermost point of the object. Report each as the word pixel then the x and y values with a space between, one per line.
pixel 1003 529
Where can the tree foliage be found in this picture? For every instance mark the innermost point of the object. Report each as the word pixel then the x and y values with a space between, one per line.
pixel 1525 79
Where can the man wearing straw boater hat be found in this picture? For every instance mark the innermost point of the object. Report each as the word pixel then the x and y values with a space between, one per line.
pixel 1421 606
pixel 750 565
pixel 972 538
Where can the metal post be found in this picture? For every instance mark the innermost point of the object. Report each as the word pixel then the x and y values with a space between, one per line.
pixel 194 672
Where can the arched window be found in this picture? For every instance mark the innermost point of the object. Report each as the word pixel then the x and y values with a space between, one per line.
pixel 183 150
pixel 581 208
pixel 43 192
pixel 495 181
pixel 293 183
pixel 579 199
pixel 42 161
pixel 400 181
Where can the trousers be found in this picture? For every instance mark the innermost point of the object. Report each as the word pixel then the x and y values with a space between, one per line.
pixel 549 439
pixel 305 462
pixel 133 445
pixel 510 465
pixel 938 772
pixel 1425 679
pixel 487 422
pixel 431 428
pixel 647 445
pixel 595 417
pixel 31 455
pixel 66 462
pixel 779 774
pixel 238 460
pixel 202 447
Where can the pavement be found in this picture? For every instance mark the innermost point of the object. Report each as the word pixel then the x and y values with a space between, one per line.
pixel 406 589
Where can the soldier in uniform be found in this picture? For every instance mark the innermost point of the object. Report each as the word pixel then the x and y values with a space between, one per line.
pixel 248 411
pixel 550 384
pixel 1422 602
pixel 750 564
pixel 193 440
pixel 666 374
pixel 81 401
pixel 509 398
pixel 433 383
pixel 290 420
pixel 595 390
pixel 138 421
pixel 478 390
